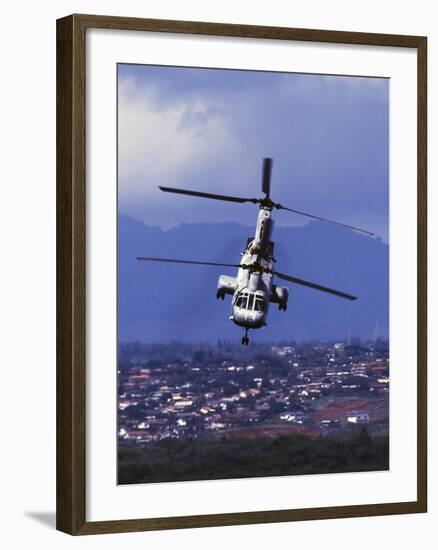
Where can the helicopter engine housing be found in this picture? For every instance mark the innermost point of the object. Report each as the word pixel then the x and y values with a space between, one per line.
pixel 279 295
pixel 225 285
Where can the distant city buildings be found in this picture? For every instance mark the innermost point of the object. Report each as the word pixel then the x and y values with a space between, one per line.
pixel 183 391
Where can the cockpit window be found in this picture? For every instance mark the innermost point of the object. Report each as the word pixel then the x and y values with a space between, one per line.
pixel 259 305
pixel 251 302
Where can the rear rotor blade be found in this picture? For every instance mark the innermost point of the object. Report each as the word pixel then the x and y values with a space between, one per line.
pixel 266 181
pixel 314 286
pixel 207 195
pixel 193 262
pixel 280 207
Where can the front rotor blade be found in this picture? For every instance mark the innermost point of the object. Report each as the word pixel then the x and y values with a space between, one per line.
pixel 266 181
pixel 193 262
pixel 314 286
pixel 280 207
pixel 207 195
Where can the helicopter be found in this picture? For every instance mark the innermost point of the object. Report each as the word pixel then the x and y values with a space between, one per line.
pixel 253 288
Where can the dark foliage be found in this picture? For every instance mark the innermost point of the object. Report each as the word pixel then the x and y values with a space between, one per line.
pixel 227 458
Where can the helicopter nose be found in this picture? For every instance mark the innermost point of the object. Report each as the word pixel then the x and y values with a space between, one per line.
pixel 247 318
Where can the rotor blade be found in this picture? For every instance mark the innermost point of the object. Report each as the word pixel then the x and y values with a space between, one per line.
pixel 207 195
pixel 173 261
pixel 280 207
pixel 314 286
pixel 266 182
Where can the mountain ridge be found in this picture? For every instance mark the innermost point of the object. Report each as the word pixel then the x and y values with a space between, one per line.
pixel 165 302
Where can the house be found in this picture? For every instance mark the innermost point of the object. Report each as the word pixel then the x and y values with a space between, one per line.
pixel 358 418
pixel 295 416
pixel 182 404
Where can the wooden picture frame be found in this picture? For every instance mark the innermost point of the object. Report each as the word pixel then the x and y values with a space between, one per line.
pixel 71 273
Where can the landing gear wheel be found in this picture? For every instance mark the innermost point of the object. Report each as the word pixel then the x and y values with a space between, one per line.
pixel 245 340
pixel 220 295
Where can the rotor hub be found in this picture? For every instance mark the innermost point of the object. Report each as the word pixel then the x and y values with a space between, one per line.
pixel 268 204
pixel 256 267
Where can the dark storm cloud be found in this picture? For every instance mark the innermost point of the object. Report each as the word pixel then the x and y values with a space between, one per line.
pixel 209 129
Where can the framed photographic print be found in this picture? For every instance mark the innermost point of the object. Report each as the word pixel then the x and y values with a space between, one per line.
pixel 241 274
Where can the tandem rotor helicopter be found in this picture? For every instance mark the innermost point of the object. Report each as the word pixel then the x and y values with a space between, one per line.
pixel 253 288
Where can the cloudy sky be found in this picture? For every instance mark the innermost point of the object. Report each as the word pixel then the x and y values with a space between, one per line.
pixel 209 129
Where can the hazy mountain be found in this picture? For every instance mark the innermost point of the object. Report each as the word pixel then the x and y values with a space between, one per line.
pixel 162 302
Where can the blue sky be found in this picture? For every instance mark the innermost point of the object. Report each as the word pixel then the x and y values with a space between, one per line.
pixel 208 129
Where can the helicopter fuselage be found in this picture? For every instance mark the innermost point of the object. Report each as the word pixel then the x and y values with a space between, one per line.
pixel 253 288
